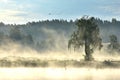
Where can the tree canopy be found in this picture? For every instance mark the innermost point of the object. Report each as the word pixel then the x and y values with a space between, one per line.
pixel 87 34
pixel 114 43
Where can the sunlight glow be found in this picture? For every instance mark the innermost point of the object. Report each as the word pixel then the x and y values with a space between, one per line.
pixel 58 74
pixel 11 16
pixel 5 1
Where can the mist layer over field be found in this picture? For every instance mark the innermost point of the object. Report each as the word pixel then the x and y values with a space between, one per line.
pixel 55 72
pixel 48 40
pixel 58 74
pixel 17 50
pixel 47 47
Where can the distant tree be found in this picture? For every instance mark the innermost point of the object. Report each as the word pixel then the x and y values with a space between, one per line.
pixel 114 20
pixel 1 37
pixel 87 34
pixel 114 44
pixel 15 34
pixel 2 24
pixel 71 21
pixel 29 39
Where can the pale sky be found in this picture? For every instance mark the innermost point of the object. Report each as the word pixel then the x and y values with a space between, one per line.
pixel 22 11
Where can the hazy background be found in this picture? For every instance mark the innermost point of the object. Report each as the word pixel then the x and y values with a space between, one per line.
pixel 36 32
pixel 51 37
pixel 44 26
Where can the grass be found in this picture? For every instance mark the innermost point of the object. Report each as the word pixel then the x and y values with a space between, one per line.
pixel 35 62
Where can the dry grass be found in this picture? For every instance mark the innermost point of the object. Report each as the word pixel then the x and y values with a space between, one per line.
pixel 35 62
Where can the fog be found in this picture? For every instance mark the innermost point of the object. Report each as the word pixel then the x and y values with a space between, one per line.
pixel 45 56
pixel 58 74
pixel 55 73
pixel 56 53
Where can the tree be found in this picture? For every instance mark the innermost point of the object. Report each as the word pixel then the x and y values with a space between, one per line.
pixel 114 20
pixel 114 44
pixel 87 34
pixel 15 34
pixel 2 24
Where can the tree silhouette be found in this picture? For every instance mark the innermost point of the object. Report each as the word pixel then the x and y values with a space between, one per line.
pixel 15 34
pixel 114 44
pixel 87 34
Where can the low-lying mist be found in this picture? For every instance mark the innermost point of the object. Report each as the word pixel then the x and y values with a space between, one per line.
pixel 46 47
pixel 57 52
pixel 58 74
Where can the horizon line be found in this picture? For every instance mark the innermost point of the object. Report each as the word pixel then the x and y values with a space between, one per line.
pixel 68 20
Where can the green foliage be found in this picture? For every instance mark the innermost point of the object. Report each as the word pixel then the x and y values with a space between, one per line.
pixel 87 33
pixel 114 44
pixel 15 34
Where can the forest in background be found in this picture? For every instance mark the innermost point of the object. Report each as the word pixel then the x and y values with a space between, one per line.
pixel 51 34
pixel 51 37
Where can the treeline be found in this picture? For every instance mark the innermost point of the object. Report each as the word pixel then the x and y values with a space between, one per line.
pixel 42 35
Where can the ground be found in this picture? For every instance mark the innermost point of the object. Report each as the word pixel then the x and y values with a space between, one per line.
pixel 13 61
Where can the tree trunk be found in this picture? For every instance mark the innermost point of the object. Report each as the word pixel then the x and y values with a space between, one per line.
pixel 88 51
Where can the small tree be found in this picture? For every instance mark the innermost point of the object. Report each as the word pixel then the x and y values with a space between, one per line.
pixel 87 34
pixel 114 44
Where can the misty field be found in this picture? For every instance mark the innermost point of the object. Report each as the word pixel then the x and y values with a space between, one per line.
pixel 69 65
pixel 58 74
pixel 12 61
pixel 44 50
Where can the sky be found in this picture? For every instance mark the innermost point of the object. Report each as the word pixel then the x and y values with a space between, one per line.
pixel 23 11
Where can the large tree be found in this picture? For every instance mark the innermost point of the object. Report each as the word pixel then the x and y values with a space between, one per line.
pixel 87 34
